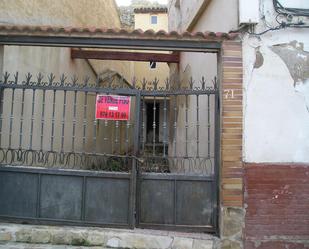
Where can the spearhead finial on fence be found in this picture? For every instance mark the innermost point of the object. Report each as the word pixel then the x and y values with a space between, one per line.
pixel 51 78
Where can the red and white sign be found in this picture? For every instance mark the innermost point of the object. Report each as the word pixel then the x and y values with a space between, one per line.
pixel 113 107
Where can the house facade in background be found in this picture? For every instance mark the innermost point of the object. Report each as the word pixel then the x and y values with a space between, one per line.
pixel 62 14
pixel 265 140
pixel 151 18
pixel 58 61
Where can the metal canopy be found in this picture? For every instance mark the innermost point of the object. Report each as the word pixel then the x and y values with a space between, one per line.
pixel 115 43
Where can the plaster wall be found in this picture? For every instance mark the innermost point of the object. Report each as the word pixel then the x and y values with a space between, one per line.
pixel 143 21
pixel 142 69
pixel 182 13
pixel 63 13
pixel 59 12
pixel 198 66
pixel 204 14
pixel 58 61
pixel 202 64
pixel 276 85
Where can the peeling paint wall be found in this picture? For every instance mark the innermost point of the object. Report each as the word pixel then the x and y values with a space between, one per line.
pixel 276 133
pixel 276 108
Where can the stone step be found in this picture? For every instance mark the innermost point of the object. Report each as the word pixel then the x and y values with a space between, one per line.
pixel 37 237
pixel 11 245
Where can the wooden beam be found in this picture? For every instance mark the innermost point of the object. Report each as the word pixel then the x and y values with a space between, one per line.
pixel 124 56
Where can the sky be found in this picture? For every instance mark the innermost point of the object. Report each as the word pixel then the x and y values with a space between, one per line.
pixel 128 2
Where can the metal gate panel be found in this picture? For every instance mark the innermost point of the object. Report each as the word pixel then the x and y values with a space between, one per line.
pixel 107 200
pixel 60 197
pixel 65 196
pixel 18 194
pixel 178 166
pixel 176 202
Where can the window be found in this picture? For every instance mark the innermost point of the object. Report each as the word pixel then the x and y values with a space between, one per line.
pixel 154 19
pixel 152 64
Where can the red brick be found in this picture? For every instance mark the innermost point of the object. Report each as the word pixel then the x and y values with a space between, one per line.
pixel 277 200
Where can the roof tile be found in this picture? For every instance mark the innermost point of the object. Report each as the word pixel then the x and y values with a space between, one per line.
pixel 107 32
pixel 150 10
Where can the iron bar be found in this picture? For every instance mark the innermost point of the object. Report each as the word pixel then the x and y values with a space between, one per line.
pixel 134 171
pixel 42 119
pixel 85 120
pixel 1 113
pixel 175 125
pixel 11 119
pixel 74 121
pixel 32 120
pixel 165 140
pixel 208 125
pixel 105 138
pixel 95 133
pixel 143 124
pixel 21 118
pixel 154 128
pixel 127 136
pixel 186 125
pixel 197 127
pixel 63 119
pixel 117 144
pixel 106 132
pixel 53 122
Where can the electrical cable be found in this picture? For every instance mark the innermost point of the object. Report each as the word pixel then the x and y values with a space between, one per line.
pixel 286 12
pixel 282 11
pixel 283 25
pixel 289 11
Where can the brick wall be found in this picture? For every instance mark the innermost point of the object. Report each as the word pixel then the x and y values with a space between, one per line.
pixel 231 173
pixel 277 201
pixel 231 135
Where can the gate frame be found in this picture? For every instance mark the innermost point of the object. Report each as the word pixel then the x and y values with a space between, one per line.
pixel 229 60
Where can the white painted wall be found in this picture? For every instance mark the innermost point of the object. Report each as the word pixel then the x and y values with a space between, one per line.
pixel 276 113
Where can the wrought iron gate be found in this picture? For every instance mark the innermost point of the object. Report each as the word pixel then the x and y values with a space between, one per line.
pixel 60 164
